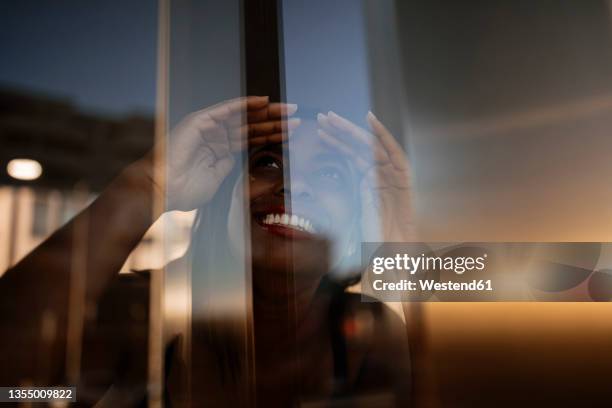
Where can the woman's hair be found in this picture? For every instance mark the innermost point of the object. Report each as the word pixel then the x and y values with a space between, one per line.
pixel 215 338
pixel 212 259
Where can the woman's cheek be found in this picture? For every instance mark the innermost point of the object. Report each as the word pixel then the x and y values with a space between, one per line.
pixel 339 208
pixel 342 217
pixel 258 186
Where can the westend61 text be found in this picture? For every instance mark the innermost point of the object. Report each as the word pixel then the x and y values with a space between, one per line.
pixel 430 284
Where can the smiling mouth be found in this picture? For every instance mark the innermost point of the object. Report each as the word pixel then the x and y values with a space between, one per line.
pixel 277 222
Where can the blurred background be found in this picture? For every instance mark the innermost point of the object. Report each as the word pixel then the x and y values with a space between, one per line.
pixel 77 104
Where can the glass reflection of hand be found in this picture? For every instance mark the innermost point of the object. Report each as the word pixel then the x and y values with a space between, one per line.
pixel 202 147
pixel 386 183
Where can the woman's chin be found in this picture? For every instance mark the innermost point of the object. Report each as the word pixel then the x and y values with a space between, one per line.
pixel 287 270
pixel 283 292
pixel 296 261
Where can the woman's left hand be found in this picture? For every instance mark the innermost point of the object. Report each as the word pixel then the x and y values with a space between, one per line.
pixel 386 184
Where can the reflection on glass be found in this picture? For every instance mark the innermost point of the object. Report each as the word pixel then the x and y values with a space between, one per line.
pixel 218 262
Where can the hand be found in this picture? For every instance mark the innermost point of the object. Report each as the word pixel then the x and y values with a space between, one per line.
pixel 386 183
pixel 201 148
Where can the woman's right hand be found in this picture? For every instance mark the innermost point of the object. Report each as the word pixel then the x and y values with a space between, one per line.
pixel 201 148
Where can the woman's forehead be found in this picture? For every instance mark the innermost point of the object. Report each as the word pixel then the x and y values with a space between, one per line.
pixel 304 141
pixel 302 145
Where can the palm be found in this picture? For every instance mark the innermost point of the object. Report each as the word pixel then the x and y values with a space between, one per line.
pixel 202 147
pixel 385 186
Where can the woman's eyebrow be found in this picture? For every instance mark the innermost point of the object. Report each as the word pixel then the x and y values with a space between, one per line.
pixel 333 158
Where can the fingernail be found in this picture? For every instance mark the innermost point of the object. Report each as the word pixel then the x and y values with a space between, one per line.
pixel 333 115
pixel 371 116
pixel 294 122
pixel 291 108
pixel 320 117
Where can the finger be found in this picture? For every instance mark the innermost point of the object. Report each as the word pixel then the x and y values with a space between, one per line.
pixel 279 110
pixel 243 143
pixel 324 123
pixel 262 133
pixel 224 110
pixel 345 125
pixel 257 102
pixel 353 134
pixel 266 128
pixel 397 156
pixel 270 139
pixel 346 149
pixel 267 113
pixel 272 111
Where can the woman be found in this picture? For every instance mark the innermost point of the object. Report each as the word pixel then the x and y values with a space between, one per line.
pixel 313 341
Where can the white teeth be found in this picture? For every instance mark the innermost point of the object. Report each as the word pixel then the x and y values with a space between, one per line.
pixel 292 221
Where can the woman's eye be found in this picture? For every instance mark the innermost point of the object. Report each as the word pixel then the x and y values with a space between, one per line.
pixel 331 174
pixel 267 162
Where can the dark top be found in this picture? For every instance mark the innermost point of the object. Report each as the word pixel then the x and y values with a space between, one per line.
pixel 369 352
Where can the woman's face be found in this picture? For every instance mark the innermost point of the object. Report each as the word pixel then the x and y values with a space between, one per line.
pixel 304 210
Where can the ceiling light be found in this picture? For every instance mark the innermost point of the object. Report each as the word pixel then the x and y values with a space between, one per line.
pixel 24 169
